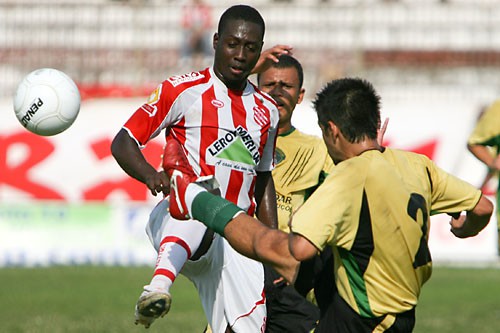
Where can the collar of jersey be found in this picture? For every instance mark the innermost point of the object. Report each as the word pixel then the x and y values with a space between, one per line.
pixel 247 91
pixel 290 131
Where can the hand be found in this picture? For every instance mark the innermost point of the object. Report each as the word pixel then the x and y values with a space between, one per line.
pixel 457 222
pixel 381 131
pixel 280 281
pixel 267 57
pixel 158 182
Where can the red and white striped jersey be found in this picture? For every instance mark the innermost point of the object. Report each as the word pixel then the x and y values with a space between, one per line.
pixel 225 133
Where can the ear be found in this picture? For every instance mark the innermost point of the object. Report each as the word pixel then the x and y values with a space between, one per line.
pixel 215 40
pixel 301 95
pixel 333 129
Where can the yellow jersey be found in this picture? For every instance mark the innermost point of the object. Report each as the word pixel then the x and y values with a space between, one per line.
pixel 487 133
pixel 301 164
pixel 374 211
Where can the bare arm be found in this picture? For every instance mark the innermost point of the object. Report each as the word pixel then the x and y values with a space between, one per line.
pixel 474 221
pixel 253 239
pixel 265 195
pixel 381 132
pixel 483 154
pixel 132 161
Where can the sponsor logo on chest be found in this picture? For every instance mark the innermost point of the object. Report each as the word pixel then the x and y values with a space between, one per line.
pixel 237 147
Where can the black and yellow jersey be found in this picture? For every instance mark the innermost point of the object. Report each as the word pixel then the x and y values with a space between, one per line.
pixel 374 210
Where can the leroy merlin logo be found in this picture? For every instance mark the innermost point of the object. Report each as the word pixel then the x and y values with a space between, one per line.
pixel 236 146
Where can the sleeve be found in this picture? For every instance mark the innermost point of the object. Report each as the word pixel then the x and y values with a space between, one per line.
pixel 321 219
pixel 267 161
pixel 153 116
pixel 449 193
pixel 487 129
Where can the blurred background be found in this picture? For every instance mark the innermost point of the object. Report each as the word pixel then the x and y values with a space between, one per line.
pixel 64 200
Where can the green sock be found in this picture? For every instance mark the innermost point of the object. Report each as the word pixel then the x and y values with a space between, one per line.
pixel 215 212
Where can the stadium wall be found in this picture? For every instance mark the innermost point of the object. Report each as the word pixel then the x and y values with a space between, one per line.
pixel 64 200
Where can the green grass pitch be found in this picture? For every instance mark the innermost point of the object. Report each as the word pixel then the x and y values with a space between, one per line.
pixel 101 299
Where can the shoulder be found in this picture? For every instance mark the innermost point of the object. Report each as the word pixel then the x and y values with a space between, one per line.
pixel 491 118
pixel 263 97
pixel 187 80
pixel 409 163
pixel 176 85
pixel 413 167
pixel 409 156
pixel 307 139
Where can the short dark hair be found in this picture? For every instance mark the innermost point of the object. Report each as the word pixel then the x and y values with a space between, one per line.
pixel 353 105
pixel 242 12
pixel 287 61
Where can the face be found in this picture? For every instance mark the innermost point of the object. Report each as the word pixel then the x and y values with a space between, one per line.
pixel 237 50
pixel 283 85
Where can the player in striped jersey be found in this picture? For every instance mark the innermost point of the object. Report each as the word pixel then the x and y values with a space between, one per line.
pixel 228 130
pixel 373 210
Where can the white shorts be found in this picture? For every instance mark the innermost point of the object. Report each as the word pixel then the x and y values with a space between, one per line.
pixel 230 285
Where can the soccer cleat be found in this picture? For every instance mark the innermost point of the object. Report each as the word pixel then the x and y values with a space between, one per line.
pixel 150 306
pixel 178 169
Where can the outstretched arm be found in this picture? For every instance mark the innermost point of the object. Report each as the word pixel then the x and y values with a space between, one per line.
pixel 247 235
pixel 253 239
pixel 474 221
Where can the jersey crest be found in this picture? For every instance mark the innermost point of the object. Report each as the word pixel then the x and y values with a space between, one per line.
pixel 259 115
pixel 279 156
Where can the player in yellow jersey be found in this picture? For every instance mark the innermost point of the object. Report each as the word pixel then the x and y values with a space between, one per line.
pixel 484 144
pixel 301 164
pixel 302 161
pixel 373 211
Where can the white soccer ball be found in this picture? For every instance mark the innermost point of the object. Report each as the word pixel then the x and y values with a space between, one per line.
pixel 47 101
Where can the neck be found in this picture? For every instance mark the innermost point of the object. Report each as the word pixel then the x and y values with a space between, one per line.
pixel 366 145
pixel 285 129
pixel 231 85
pixel 356 149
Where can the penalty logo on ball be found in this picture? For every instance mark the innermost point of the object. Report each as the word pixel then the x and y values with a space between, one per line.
pixel 47 101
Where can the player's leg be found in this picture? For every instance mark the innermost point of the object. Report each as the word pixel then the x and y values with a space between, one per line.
pixel 230 287
pixel 175 242
pixel 205 273
pixel 243 291
pixel 287 310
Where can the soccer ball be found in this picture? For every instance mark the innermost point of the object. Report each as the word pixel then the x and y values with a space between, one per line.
pixel 47 101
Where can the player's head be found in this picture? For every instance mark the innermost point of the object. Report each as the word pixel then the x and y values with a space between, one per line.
pixel 286 61
pixel 237 44
pixel 353 105
pixel 283 81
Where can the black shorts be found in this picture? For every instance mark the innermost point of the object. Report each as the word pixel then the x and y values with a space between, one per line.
pixel 339 317
pixel 287 310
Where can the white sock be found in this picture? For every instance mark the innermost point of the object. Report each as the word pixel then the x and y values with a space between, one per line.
pixel 180 241
pixel 171 258
pixel 192 190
